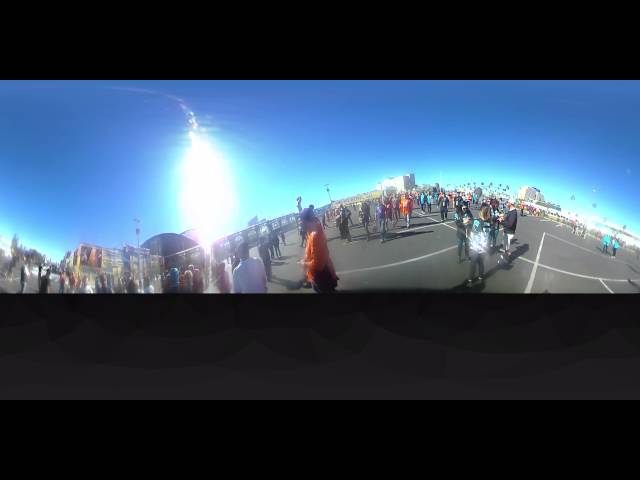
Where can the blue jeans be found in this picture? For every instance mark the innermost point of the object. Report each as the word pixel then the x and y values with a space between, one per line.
pixel 382 227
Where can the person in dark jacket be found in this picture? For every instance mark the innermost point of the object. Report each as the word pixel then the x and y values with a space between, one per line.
pixel 263 251
pixel 43 281
pixel 275 241
pixel 443 205
pixel 509 223
pixel 24 276
pixel 366 217
pixel 464 219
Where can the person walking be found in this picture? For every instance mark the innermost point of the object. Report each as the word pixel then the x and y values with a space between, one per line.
pixel 250 275
pixel 606 240
pixel 463 220
pixel 429 201
pixel 443 205
pixel 275 241
pixel 61 282
pixel 423 200
pixel 317 264
pixel 44 281
pixel 479 244
pixel 24 276
pixel 406 209
pixel 509 223
pixel 396 209
pixel 366 218
pixel 345 217
pixel 263 251
pixel 381 214
pixel 303 235
pixel 615 246
pixel 284 242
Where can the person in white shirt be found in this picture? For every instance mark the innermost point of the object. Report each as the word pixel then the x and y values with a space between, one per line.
pixel 249 276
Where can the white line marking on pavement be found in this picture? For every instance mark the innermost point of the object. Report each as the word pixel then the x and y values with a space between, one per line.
pixel 532 277
pixel 588 277
pixel 605 286
pixel 389 265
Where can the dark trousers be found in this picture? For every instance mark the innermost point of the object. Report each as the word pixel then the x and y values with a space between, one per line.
pixel 605 249
pixel 614 251
pixel 276 249
pixel 477 259
pixel 429 207
pixel 443 213
pixel 463 241
pixel 422 206
pixel 382 227
pixel 22 286
pixel 267 268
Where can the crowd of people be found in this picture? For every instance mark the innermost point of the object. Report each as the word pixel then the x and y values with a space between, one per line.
pixel 477 237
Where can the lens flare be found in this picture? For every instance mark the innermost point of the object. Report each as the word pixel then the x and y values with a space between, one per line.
pixel 207 202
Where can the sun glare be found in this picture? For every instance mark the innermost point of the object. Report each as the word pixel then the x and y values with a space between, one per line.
pixel 206 199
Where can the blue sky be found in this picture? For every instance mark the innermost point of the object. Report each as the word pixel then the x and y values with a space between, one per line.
pixel 80 160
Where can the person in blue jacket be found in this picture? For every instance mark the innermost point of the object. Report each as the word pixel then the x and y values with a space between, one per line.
pixel 606 240
pixel 615 246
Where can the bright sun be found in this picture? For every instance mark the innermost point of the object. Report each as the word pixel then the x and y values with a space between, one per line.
pixel 207 199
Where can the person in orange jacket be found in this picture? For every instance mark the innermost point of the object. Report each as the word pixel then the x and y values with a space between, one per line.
pixel 317 264
pixel 406 205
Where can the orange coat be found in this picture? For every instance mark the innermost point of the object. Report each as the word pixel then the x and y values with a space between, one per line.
pixel 316 255
pixel 406 205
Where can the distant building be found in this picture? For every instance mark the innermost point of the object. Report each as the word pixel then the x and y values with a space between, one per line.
pixel 530 194
pixel 403 183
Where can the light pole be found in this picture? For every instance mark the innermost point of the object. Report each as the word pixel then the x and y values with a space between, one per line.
pixel 137 222
pixel 327 187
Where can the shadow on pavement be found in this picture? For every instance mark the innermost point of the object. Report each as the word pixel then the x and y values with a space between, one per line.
pixel 631 282
pixel 289 284
pixel 395 236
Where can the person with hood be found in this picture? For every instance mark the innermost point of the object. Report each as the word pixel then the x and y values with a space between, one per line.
pixel 463 219
pixel 263 251
pixel 250 275
pixel 479 244
pixel 317 263
pixel 173 281
pixel 606 240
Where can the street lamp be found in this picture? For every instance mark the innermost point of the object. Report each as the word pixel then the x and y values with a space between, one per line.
pixel 137 222
pixel 327 187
